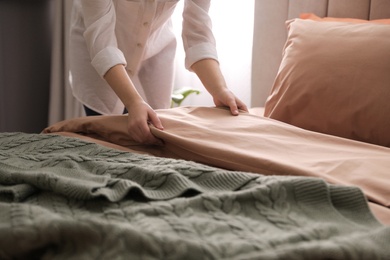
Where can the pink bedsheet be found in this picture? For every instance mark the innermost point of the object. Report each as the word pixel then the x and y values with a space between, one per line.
pixel 251 143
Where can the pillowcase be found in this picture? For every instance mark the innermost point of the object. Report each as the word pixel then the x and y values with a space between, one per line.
pixel 311 16
pixel 334 78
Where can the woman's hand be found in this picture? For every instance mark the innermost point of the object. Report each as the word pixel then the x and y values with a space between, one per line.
pixel 211 76
pixel 140 113
pixel 139 118
pixel 226 98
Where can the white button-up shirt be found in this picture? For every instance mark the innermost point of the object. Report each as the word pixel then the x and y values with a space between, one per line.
pixel 137 34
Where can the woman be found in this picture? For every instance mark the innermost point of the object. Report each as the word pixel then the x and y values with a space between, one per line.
pixel 122 58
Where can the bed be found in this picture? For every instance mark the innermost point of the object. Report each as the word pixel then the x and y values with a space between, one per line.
pixel 304 176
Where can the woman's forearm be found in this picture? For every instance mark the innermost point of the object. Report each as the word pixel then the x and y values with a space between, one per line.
pixel 210 75
pixel 122 85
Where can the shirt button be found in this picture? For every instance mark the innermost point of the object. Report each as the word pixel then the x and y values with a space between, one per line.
pixel 146 23
pixel 139 44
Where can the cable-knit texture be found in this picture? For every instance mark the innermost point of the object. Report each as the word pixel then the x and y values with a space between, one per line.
pixel 64 198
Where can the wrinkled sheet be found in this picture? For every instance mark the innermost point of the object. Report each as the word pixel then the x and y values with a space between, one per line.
pixel 251 143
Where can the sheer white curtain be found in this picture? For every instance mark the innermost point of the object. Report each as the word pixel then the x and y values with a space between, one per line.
pixel 233 30
pixel 62 103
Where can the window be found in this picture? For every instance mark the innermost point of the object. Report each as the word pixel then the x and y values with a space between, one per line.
pixel 233 30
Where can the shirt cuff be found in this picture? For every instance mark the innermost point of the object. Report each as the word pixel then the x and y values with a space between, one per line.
pixel 200 52
pixel 106 59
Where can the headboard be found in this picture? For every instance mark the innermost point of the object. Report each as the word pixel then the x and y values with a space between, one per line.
pixel 270 32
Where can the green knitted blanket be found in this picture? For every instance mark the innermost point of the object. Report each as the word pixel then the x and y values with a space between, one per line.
pixel 64 198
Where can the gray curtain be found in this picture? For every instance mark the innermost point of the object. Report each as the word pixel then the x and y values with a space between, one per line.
pixel 25 61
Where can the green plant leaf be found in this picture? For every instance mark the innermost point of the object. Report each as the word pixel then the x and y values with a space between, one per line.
pixel 179 95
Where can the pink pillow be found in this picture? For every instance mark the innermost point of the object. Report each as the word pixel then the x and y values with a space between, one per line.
pixel 334 78
pixel 311 16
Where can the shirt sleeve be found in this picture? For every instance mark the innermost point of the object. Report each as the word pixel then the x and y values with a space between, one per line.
pixel 99 20
pixel 198 39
